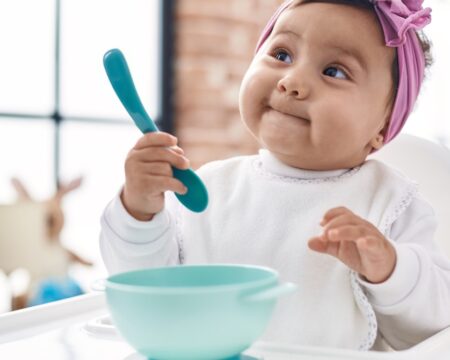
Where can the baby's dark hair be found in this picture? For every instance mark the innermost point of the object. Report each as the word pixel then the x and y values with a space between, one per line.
pixel 366 4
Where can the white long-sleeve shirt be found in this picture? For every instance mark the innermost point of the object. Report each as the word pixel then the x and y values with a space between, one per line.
pixel 411 305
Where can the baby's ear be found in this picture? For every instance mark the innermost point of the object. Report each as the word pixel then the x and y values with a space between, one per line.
pixel 377 142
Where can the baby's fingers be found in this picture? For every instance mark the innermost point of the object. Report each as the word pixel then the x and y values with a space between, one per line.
pixel 165 183
pixel 333 213
pixel 156 139
pixel 346 233
pixel 317 244
pixel 161 154
pixel 345 219
pixel 322 245
pixel 159 168
pixel 177 149
pixel 371 246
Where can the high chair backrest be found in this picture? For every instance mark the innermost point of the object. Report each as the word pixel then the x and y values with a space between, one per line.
pixel 428 163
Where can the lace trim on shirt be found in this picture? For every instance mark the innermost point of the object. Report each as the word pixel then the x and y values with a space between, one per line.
pixel 258 167
pixel 179 238
pixel 367 310
pixel 399 208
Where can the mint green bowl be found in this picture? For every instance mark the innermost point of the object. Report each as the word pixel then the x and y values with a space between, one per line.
pixel 201 312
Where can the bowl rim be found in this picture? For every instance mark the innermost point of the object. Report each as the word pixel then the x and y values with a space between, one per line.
pixel 110 284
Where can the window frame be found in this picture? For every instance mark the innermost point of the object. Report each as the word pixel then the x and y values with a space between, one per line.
pixel 164 118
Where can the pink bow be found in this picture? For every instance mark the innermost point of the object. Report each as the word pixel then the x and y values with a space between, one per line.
pixel 399 16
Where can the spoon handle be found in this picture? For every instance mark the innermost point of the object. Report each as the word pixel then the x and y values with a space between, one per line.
pixel 196 198
pixel 119 75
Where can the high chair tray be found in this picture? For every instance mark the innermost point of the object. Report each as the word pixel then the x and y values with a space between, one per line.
pixel 80 329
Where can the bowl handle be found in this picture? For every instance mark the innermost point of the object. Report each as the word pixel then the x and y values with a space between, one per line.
pixel 98 285
pixel 271 293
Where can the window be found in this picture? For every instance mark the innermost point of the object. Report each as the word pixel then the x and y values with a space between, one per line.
pixel 59 117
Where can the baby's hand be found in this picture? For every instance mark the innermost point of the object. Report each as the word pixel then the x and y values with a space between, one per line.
pixel 357 243
pixel 148 174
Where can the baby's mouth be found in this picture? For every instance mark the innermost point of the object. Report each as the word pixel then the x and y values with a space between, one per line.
pixel 289 114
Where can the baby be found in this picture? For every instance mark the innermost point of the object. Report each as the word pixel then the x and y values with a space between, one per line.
pixel 331 82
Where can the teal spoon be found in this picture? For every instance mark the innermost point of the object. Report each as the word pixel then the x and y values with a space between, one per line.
pixel 196 198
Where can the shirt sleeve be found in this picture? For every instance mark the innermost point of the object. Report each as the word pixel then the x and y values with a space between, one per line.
pixel 414 303
pixel 128 244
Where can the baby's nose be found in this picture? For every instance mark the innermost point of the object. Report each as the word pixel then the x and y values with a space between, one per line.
pixel 292 92
pixel 294 87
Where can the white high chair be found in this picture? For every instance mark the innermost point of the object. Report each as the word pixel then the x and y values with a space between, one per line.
pixel 428 163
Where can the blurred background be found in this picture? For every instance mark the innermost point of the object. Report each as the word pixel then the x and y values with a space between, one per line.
pixel 64 135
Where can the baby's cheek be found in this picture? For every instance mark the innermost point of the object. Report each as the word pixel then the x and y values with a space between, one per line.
pixel 250 87
pixel 250 98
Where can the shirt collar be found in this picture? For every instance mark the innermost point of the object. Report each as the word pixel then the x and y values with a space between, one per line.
pixel 272 165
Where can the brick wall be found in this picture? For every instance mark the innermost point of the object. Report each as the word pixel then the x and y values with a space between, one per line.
pixel 214 45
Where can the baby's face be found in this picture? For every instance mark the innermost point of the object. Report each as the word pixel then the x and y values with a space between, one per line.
pixel 318 93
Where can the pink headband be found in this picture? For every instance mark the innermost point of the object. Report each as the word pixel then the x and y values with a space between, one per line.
pixel 399 20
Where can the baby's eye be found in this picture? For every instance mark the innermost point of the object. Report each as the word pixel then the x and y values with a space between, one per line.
pixel 282 55
pixel 333 71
